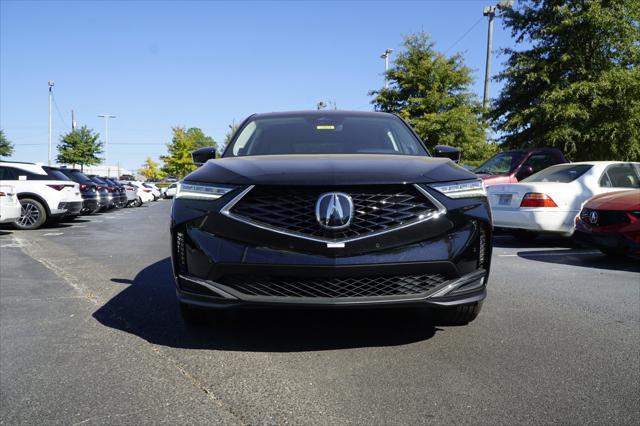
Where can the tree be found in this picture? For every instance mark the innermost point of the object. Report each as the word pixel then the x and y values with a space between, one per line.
pixel 6 147
pixel 151 171
pixel 432 92
pixel 232 130
pixel 576 84
pixel 178 162
pixel 80 146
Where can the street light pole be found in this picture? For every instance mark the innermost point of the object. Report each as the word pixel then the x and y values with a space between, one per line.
pixel 106 135
pixel 490 11
pixel 51 84
pixel 385 56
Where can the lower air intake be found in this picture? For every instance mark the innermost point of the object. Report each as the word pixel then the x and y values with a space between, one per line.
pixel 333 287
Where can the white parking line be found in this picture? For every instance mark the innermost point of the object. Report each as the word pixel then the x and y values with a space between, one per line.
pixel 52 234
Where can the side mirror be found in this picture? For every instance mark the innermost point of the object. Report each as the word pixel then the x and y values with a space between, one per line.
pixel 449 152
pixel 524 172
pixel 202 155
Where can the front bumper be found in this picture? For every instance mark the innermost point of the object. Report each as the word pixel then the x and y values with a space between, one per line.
pixel 219 262
pixel 605 241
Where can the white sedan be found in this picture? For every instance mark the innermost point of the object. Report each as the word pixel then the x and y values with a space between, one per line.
pixel 10 207
pixel 550 200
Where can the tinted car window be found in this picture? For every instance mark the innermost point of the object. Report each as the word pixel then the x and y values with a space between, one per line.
pixel 8 173
pixel 539 162
pixel 562 174
pixel 331 134
pixel 56 174
pixel 620 176
pixel 503 163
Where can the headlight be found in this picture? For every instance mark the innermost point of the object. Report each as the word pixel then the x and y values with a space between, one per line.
pixel 463 189
pixel 200 191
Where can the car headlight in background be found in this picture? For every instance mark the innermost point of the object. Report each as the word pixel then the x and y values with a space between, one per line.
pixel 462 189
pixel 200 191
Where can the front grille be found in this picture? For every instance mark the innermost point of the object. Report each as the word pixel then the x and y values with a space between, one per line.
pixel 604 217
pixel 333 287
pixel 376 209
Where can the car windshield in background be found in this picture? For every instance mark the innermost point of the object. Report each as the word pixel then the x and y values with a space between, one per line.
pixel 562 174
pixel 56 174
pixel 330 134
pixel 500 164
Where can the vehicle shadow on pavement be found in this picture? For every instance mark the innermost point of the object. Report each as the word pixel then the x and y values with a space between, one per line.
pixel 542 241
pixel 147 307
pixel 590 260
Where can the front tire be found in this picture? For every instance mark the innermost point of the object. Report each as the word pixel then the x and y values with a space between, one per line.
pixel 33 216
pixel 459 315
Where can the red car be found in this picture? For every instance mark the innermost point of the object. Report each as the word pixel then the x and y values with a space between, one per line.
pixel 611 223
pixel 513 166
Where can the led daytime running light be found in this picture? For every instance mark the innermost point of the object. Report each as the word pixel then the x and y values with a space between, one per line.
pixel 201 192
pixel 464 189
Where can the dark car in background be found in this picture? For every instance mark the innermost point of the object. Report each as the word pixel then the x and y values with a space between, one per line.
pixel 106 193
pixel 330 209
pixel 513 166
pixel 611 223
pixel 119 191
pixel 91 201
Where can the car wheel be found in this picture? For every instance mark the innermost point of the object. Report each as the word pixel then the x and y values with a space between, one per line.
pixel 33 216
pixel 139 202
pixel 459 315
pixel 522 235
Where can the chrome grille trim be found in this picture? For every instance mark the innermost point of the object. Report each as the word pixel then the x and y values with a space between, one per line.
pixel 226 211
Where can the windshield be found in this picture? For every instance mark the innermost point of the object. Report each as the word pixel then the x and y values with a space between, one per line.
pixel 564 173
pixel 501 164
pixel 330 134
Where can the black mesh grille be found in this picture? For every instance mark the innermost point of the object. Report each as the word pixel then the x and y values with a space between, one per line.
pixel 604 217
pixel 375 209
pixel 333 287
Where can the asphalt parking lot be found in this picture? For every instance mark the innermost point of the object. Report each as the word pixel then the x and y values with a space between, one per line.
pixel 90 333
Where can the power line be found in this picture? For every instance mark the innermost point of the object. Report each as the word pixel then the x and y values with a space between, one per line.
pixel 59 113
pixel 465 34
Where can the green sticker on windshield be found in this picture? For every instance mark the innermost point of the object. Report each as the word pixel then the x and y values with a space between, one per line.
pixel 325 127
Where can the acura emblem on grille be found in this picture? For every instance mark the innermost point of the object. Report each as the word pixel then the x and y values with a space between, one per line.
pixel 593 217
pixel 334 210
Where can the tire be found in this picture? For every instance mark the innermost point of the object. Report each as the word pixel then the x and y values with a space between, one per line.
pixel 138 202
pixel 459 315
pixel 34 215
pixel 96 210
pixel 522 235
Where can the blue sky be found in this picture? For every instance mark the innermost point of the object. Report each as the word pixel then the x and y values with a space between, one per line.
pixel 205 64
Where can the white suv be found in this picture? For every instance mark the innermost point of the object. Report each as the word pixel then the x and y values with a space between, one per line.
pixel 42 196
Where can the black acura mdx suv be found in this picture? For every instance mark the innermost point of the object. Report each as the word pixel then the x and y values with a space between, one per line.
pixel 330 208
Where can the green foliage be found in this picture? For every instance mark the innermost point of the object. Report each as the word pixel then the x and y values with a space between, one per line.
pixel 577 87
pixel 151 171
pixel 432 92
pixel 178 162
pixel 80 146
pixel 6 147
pixel 232 130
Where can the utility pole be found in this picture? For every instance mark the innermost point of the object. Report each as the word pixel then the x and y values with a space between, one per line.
pixel 51 84
pixel 73 120
pixel 106 135
pixel 385 56
pixel 490 11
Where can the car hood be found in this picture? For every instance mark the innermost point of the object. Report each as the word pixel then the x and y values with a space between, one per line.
pixel 329 170
pixel 619 200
